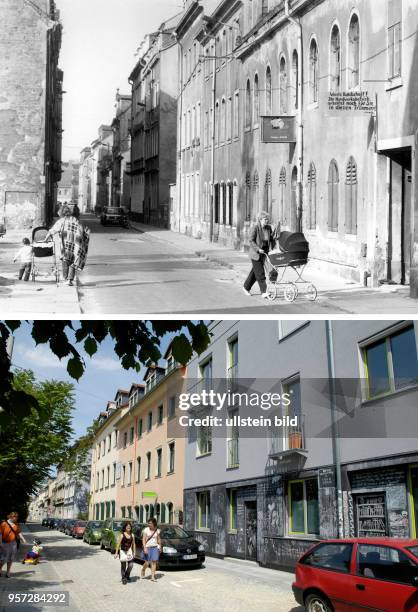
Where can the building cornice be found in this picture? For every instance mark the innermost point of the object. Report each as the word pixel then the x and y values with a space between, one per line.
pixel 192 13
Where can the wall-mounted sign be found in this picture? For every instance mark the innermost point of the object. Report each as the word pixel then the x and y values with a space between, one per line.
pixel 148 494
pixel 278 129
pixel 350 102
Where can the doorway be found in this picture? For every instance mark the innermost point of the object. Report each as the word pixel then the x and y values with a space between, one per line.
pixel 251 530
pixel 399 218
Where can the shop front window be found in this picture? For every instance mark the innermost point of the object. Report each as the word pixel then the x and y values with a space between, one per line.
pixel 303 507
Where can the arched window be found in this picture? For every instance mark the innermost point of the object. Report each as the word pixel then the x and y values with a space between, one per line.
pixel 283 86
pixel 248 104
pixel 313 72
pixel 267 192
pixel 230 211
pixel 295 79
pixel 256 114
pixel 170 512
pixel 162 515
pixel 294 201
pixel 223 120
pixel 217 203
pixel 158 512
pixel 248 205
pixel 269 101
pixel 282 188
pixel 223 193
pixel 351 197
pixel 333 189
pixel 312 196
pixel 335 59
pixel 354 53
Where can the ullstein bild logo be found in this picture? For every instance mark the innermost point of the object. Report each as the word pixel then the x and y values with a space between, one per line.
pixel 238 421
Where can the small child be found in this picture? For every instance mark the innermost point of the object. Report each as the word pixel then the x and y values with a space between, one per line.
pixel 25 257
pixel 32 556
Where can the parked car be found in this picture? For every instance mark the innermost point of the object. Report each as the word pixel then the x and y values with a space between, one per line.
pixel 69 526
pixel 358 574
pixel 93 532
pixel 178 548
pixel 52 524
pixel 113 215
pixel 45 522
pixel 111 529
pixel 62 524
pixel 78 529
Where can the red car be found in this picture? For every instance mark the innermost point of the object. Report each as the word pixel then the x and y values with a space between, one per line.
pixel 79 529
pixel 359 574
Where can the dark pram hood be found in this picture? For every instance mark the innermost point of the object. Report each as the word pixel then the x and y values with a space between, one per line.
pixel 293 242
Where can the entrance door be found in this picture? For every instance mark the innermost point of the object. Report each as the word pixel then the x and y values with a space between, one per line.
pixel 400 215
pixel 406 226
pixel 251 530
pixel 414 501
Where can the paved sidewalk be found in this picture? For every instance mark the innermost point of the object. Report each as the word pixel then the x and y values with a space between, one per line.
pixel 340 295
pixel 40 297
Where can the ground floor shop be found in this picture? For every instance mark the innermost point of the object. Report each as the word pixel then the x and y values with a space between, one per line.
pixel 274 519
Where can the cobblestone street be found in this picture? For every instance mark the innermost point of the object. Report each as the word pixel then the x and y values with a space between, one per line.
pixel 91 576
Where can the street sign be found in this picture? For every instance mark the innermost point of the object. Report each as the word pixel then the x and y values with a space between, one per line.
pixel 279 129
pixel 149 494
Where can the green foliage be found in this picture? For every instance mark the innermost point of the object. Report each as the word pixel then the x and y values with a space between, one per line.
pixel 32 443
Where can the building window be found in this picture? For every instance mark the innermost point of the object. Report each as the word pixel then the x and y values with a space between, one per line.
pixel 351 197
pixel 149 421
pixel 160 415
pixel 130 467
pixel 170 510
pixel 256 111
pixel 233 359
pixel 303 507
pixel 295 78
pixel 312 196
pixel 313 72
pixel 148 472
pixel 354 53
pixel 123 510
pixel 248 194
pixel 229 118
pixel 335 59
pixel 269 98
pixel 114 474
pixel 203 510
pixel 333 193
pixel 223 121
pixel 140 425
pixel 255 198
pixel 123 480
pixel 159 459
pixel 233 510
pixel 204 441
pixel 138 469
pixel 108 476
pixel 248 105
pixel 282 196
pixel 206 374
pixel 131 435
pixel 172 407
pixel 390 363
pixel 267 192
pixel 217 124
pixel 283 87
pixel 171 457
pixel 236 114
pixel 125 439
pixel 207 131
pixel 233 440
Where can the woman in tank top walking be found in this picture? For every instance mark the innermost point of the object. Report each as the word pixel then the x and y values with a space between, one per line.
pixel 125 550
pixel 151 546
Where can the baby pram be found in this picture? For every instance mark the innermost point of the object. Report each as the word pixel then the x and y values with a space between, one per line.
pixel 293 254
pixel 43 255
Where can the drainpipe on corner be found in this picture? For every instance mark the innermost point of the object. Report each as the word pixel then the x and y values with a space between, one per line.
pixel 334 427
pixel 299 119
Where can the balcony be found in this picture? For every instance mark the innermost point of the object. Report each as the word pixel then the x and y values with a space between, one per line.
pixel 233 453
pixel 288 446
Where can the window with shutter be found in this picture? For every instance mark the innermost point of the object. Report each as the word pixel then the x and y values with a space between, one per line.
pixel 351 197
pixel 312 196
pixel 333 188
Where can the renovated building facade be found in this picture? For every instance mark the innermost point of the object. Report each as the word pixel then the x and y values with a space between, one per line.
pixel 346 466
pixel 283 82
pixel 84 180
pixel 101 169
pixel 104 462
pixel 30 112
pixel 151 456
pixel 121 180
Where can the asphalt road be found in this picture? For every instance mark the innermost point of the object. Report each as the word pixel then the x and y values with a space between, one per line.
pixel 132 272
pixel 92 578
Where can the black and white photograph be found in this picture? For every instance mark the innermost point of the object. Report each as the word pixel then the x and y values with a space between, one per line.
pixel 209 305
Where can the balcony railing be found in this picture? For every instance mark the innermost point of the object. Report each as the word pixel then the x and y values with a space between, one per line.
pixel 288 439
pixel 233 453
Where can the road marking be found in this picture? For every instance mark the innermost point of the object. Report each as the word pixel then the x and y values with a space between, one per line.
pixel 178 583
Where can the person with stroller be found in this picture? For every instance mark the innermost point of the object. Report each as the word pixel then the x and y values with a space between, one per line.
pixel 151 546
pixel 74 240
pixel 262 241
pixel 24 255
pixel 125 550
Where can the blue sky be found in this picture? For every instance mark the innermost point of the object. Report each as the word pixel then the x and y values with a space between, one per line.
pixel 100 39
pixel 103 375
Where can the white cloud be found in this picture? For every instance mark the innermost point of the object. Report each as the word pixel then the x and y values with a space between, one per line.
pixel 104 363
pixel 38 356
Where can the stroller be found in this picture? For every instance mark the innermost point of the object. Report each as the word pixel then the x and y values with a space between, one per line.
pixel 43 253
pixel 294 251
